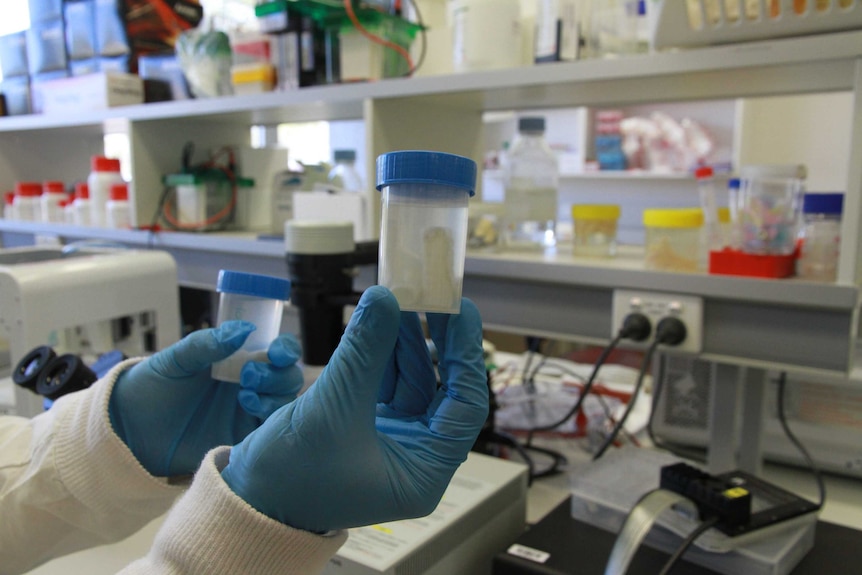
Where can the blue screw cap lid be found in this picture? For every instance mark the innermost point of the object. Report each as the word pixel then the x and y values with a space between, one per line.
pixel 733 184
pixel 422 167
pixel 832 204
pixel 254 285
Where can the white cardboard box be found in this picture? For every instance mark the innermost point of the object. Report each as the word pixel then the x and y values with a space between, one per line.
pixel 92 92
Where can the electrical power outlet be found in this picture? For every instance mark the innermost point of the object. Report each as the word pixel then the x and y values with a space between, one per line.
pixel 656 305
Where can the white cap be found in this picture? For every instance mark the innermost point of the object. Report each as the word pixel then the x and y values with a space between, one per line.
pixel 311 237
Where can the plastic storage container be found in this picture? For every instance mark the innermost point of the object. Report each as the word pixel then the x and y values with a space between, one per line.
pixel 254 298
pixel 715 239
pixel 28 207
pixel 486 34
pixel 9 206
pixel 595 229
pixel 423 236
pixel 117 208
pixel 104 172
pixel 53 193
pixel 344 174
pixel 674 240
pixel 821 237
pixel 768 208
pixel 531 189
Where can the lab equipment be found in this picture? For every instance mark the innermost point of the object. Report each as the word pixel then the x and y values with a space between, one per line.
pixel 558 34
pixel 531 189
pixel 176 381
pixel 85 301
pixel 694 23
pixel 206 199
pixel 344 175
pixel 595 229
pixel 768 211
pixel 52 194
pixel 322 260
pixel 256 299
pixel 28 206
pixel 820 237
pixel 104 173
pixel 117 211
pixel 674 240
pixel 605 491
pixel 423 236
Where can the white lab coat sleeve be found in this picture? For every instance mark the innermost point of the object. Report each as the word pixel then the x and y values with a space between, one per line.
pixel 68 482
pixel 211 530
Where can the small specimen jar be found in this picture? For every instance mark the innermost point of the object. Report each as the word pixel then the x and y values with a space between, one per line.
pixel 253 298
pixel 768 215
pixel 674 240
pixel 595 228
pixel 821 237
pixel 423 236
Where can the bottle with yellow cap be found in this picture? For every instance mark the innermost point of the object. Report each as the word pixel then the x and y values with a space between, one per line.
pixel 674 240
pixel 595 229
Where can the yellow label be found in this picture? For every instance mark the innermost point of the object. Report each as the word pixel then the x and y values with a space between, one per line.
pixel 735 493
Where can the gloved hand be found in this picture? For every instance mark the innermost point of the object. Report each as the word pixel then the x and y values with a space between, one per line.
pixel 170 411
pixel 374 439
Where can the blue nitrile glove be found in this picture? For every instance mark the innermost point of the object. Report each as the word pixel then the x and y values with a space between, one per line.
pixel 374 439
pixel 170 411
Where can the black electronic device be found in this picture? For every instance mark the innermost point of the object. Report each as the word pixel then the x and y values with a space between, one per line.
pixel 740 501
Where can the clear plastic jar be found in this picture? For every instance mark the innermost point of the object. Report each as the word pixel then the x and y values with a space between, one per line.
pixel 674 240
pixel 595 229
pixel 770 197
pixel 423 236
pixel 821 237
pixel 253 298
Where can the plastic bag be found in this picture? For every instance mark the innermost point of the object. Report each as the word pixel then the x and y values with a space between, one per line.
pixel 205 58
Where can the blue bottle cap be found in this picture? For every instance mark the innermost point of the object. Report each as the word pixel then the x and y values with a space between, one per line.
pixel 254 285
pixel 831 204
pixel 733 183
pixel 421 167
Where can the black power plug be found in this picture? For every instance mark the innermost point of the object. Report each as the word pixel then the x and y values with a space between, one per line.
pixel 670 331
pixel 636 327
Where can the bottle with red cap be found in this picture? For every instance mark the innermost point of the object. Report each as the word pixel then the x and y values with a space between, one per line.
pixel 81 205
pixel 104 173
pixel 52 194
pixel 714 239
pixel 118 215
pixel 9 206
pixel 28 207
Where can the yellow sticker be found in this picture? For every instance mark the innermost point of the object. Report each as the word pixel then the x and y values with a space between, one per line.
pixel 735 493
pixel 382 529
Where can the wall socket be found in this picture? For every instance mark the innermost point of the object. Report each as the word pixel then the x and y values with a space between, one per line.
pixel 656 305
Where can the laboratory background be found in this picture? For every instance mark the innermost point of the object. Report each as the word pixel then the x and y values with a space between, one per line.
pixel 663 236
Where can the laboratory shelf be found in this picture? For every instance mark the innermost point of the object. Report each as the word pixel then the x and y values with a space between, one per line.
pixel 560 295
pixel 808 64
pixel 783 324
